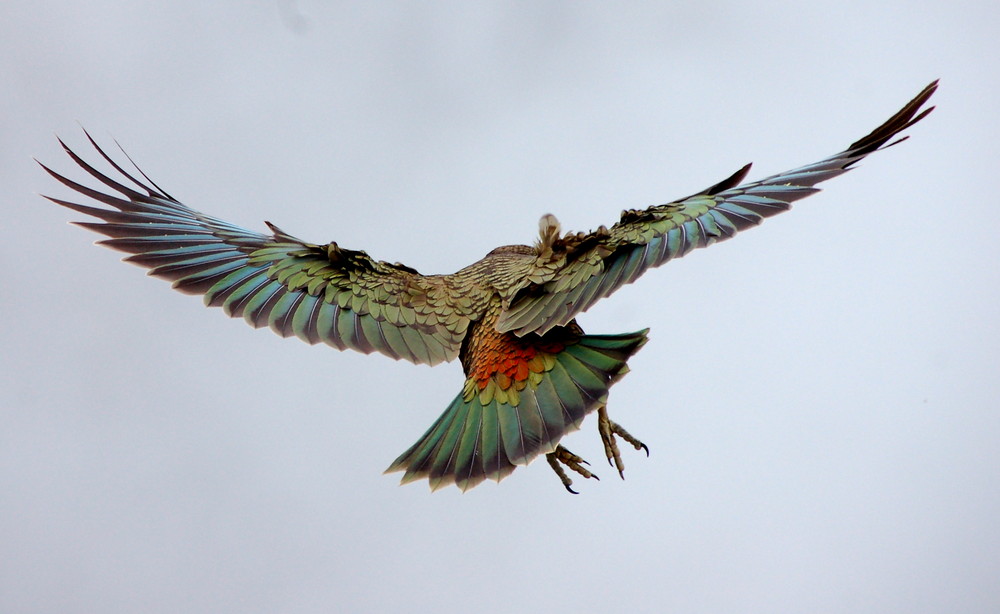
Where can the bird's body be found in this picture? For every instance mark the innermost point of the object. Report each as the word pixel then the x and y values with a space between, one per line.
pixel 532 374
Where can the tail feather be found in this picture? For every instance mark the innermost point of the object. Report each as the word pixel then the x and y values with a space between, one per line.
pixel 486 435
pixel 494 459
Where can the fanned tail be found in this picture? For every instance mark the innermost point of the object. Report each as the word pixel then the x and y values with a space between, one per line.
pixel 488 430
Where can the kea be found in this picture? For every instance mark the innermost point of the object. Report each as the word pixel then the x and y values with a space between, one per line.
pixel 532 374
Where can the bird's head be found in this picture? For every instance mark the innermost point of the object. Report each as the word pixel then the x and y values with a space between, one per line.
pixel 548 232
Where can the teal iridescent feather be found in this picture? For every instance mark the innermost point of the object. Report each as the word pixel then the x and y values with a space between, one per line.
pixel 472 441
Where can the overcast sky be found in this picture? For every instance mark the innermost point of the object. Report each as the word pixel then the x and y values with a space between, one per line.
pixel 819 395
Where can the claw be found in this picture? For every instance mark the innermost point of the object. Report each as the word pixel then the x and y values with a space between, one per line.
pixel 608 430
pixel 561 456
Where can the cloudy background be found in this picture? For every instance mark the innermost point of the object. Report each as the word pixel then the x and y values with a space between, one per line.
pixel 819 395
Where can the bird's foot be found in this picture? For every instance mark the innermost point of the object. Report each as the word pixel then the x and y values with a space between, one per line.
pixel 609 430
pixel 561 456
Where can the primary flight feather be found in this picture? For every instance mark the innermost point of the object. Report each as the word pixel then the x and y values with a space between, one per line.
pixel 532 374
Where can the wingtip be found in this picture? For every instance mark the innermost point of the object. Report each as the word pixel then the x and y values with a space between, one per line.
pixel 908 115
pixel 729 182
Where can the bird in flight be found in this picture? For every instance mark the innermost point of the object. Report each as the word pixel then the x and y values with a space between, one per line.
pixel 531 373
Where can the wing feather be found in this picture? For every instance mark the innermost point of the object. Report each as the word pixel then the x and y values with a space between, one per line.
pixel 592 266
pixel 318 293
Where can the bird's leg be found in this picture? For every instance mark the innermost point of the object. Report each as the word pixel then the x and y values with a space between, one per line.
pixel 608 430
pixel 561 456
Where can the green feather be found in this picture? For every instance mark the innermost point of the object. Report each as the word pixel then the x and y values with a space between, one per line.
pixel 280 318
pixel 236 301
pixel 469 458
pixel 304 319
pixel 255 307
pixel 441 469
pixel 589 382
pixel 494 459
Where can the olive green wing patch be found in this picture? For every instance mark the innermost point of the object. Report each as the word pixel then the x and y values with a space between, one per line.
pixel 318 293
pixel 592 266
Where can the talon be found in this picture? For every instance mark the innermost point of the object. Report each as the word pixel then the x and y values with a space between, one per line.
pixel 561 456
pixel 608 430
pixel 554 463
pixel 621 432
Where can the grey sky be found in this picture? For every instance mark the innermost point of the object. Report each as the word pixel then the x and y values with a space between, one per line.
pixel 819 395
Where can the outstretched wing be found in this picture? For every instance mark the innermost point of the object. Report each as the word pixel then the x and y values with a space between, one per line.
pixel 319 293
pixel 583 268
